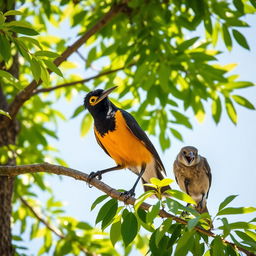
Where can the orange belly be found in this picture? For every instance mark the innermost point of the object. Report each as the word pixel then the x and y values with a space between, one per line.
pixel 124 147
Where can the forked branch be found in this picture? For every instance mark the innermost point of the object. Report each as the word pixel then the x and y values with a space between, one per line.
pixel 12 171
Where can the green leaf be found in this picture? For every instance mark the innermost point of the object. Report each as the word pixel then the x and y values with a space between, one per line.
pixel 31 40
pixel 153 212
pixel 45 75
pixel 239 5
pixel 91 56
pixel 226 227
pixel 181 196
pixel 184 243
pixel 160 232
pixel 48 54
pixel 216 110
pixel 129 228
pixel 217 247
pixel 110 214
pixel 231 110
pixel 2 112
pixel 187 43
pixel 115 232
pixel 24 31
pixel 240 39
pixel 228 200
pixel 86 124
pixel 84 226
pixel 12 12
pixel 193 222
pixel 53 67
pixel 78 17
pixel 237 210
pixel 5 48
pixel 107 208
pixel 35 68
pixel 226 37
pixel 246 238
pixel 240 225
pixel 176 134
pixel 142 198
pixel 243 101
pixel 253 2
pixel 181 119
pixel 164 73
pixel 98 201
pixel 2 18
pixel 77 111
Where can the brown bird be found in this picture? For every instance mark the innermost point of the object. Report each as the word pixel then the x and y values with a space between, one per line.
pixel 193 175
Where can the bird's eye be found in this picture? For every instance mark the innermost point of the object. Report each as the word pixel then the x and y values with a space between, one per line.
pixel 93 100
pixel 184 152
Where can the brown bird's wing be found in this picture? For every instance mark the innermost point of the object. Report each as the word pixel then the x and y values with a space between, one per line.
pixel 142 136
pixel 208 173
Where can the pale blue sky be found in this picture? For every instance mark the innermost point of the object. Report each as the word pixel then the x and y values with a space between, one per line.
pixel 230 150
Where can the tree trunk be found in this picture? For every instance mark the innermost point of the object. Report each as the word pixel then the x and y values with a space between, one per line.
pixel 7 137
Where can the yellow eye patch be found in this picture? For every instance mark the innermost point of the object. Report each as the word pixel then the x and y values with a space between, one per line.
pixel 93 100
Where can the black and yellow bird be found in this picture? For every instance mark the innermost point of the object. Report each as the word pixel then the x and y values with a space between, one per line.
pixel 121 137
pixel 193 175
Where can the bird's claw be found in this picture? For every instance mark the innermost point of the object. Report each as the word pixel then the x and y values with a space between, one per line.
pixel 93 175
pixel 128 194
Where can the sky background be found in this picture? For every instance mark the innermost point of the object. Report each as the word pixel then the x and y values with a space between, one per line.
pixel 229 149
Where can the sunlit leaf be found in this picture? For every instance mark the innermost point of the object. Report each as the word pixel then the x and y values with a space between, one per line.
pixel 237 210
pixel 86 124
pixel 2 112
pixel 243 101
pixel 228 200
pixel 231 110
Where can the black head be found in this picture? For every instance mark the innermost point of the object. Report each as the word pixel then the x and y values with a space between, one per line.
pixel 97 100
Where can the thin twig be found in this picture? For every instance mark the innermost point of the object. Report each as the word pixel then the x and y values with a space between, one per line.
pixel 104 73
pixel 48 225
pixel 27 92
pixel 12 171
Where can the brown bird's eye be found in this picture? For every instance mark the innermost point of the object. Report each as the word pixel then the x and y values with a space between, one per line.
pixel 93 100
pixel 184 152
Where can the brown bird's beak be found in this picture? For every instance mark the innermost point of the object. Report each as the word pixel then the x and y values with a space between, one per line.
pixel 105 94
pixel 190 157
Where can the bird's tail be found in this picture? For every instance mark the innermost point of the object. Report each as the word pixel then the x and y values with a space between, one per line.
pixel 153 171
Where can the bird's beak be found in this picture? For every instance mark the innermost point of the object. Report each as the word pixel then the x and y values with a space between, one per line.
pixel 190 157
pixel 105 94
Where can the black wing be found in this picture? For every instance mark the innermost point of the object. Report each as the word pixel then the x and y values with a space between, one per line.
pixel 101 144
pixel 141 135
pixel 208 173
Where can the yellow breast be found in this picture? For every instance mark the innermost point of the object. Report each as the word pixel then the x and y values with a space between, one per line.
pixel 123 146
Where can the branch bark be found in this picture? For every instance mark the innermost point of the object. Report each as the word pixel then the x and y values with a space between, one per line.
pixel 27 92
pixel 12 171
pixel 104 73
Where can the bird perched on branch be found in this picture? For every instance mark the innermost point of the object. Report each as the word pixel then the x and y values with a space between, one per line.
pixel 121 137
pixel 193 175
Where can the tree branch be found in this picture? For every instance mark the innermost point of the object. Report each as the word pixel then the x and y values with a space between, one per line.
pixel 12 171
pixel 27 92
pixel 104 73
pixel 48 225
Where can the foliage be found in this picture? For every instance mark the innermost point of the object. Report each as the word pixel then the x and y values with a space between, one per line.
pixel 169 237
pixel 162 69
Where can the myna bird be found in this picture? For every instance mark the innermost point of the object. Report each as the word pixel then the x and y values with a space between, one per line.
pixel 121 137
pixel 193 175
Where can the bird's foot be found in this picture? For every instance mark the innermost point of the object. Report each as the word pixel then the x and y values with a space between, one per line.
pixel 93 175
pixel 128 194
